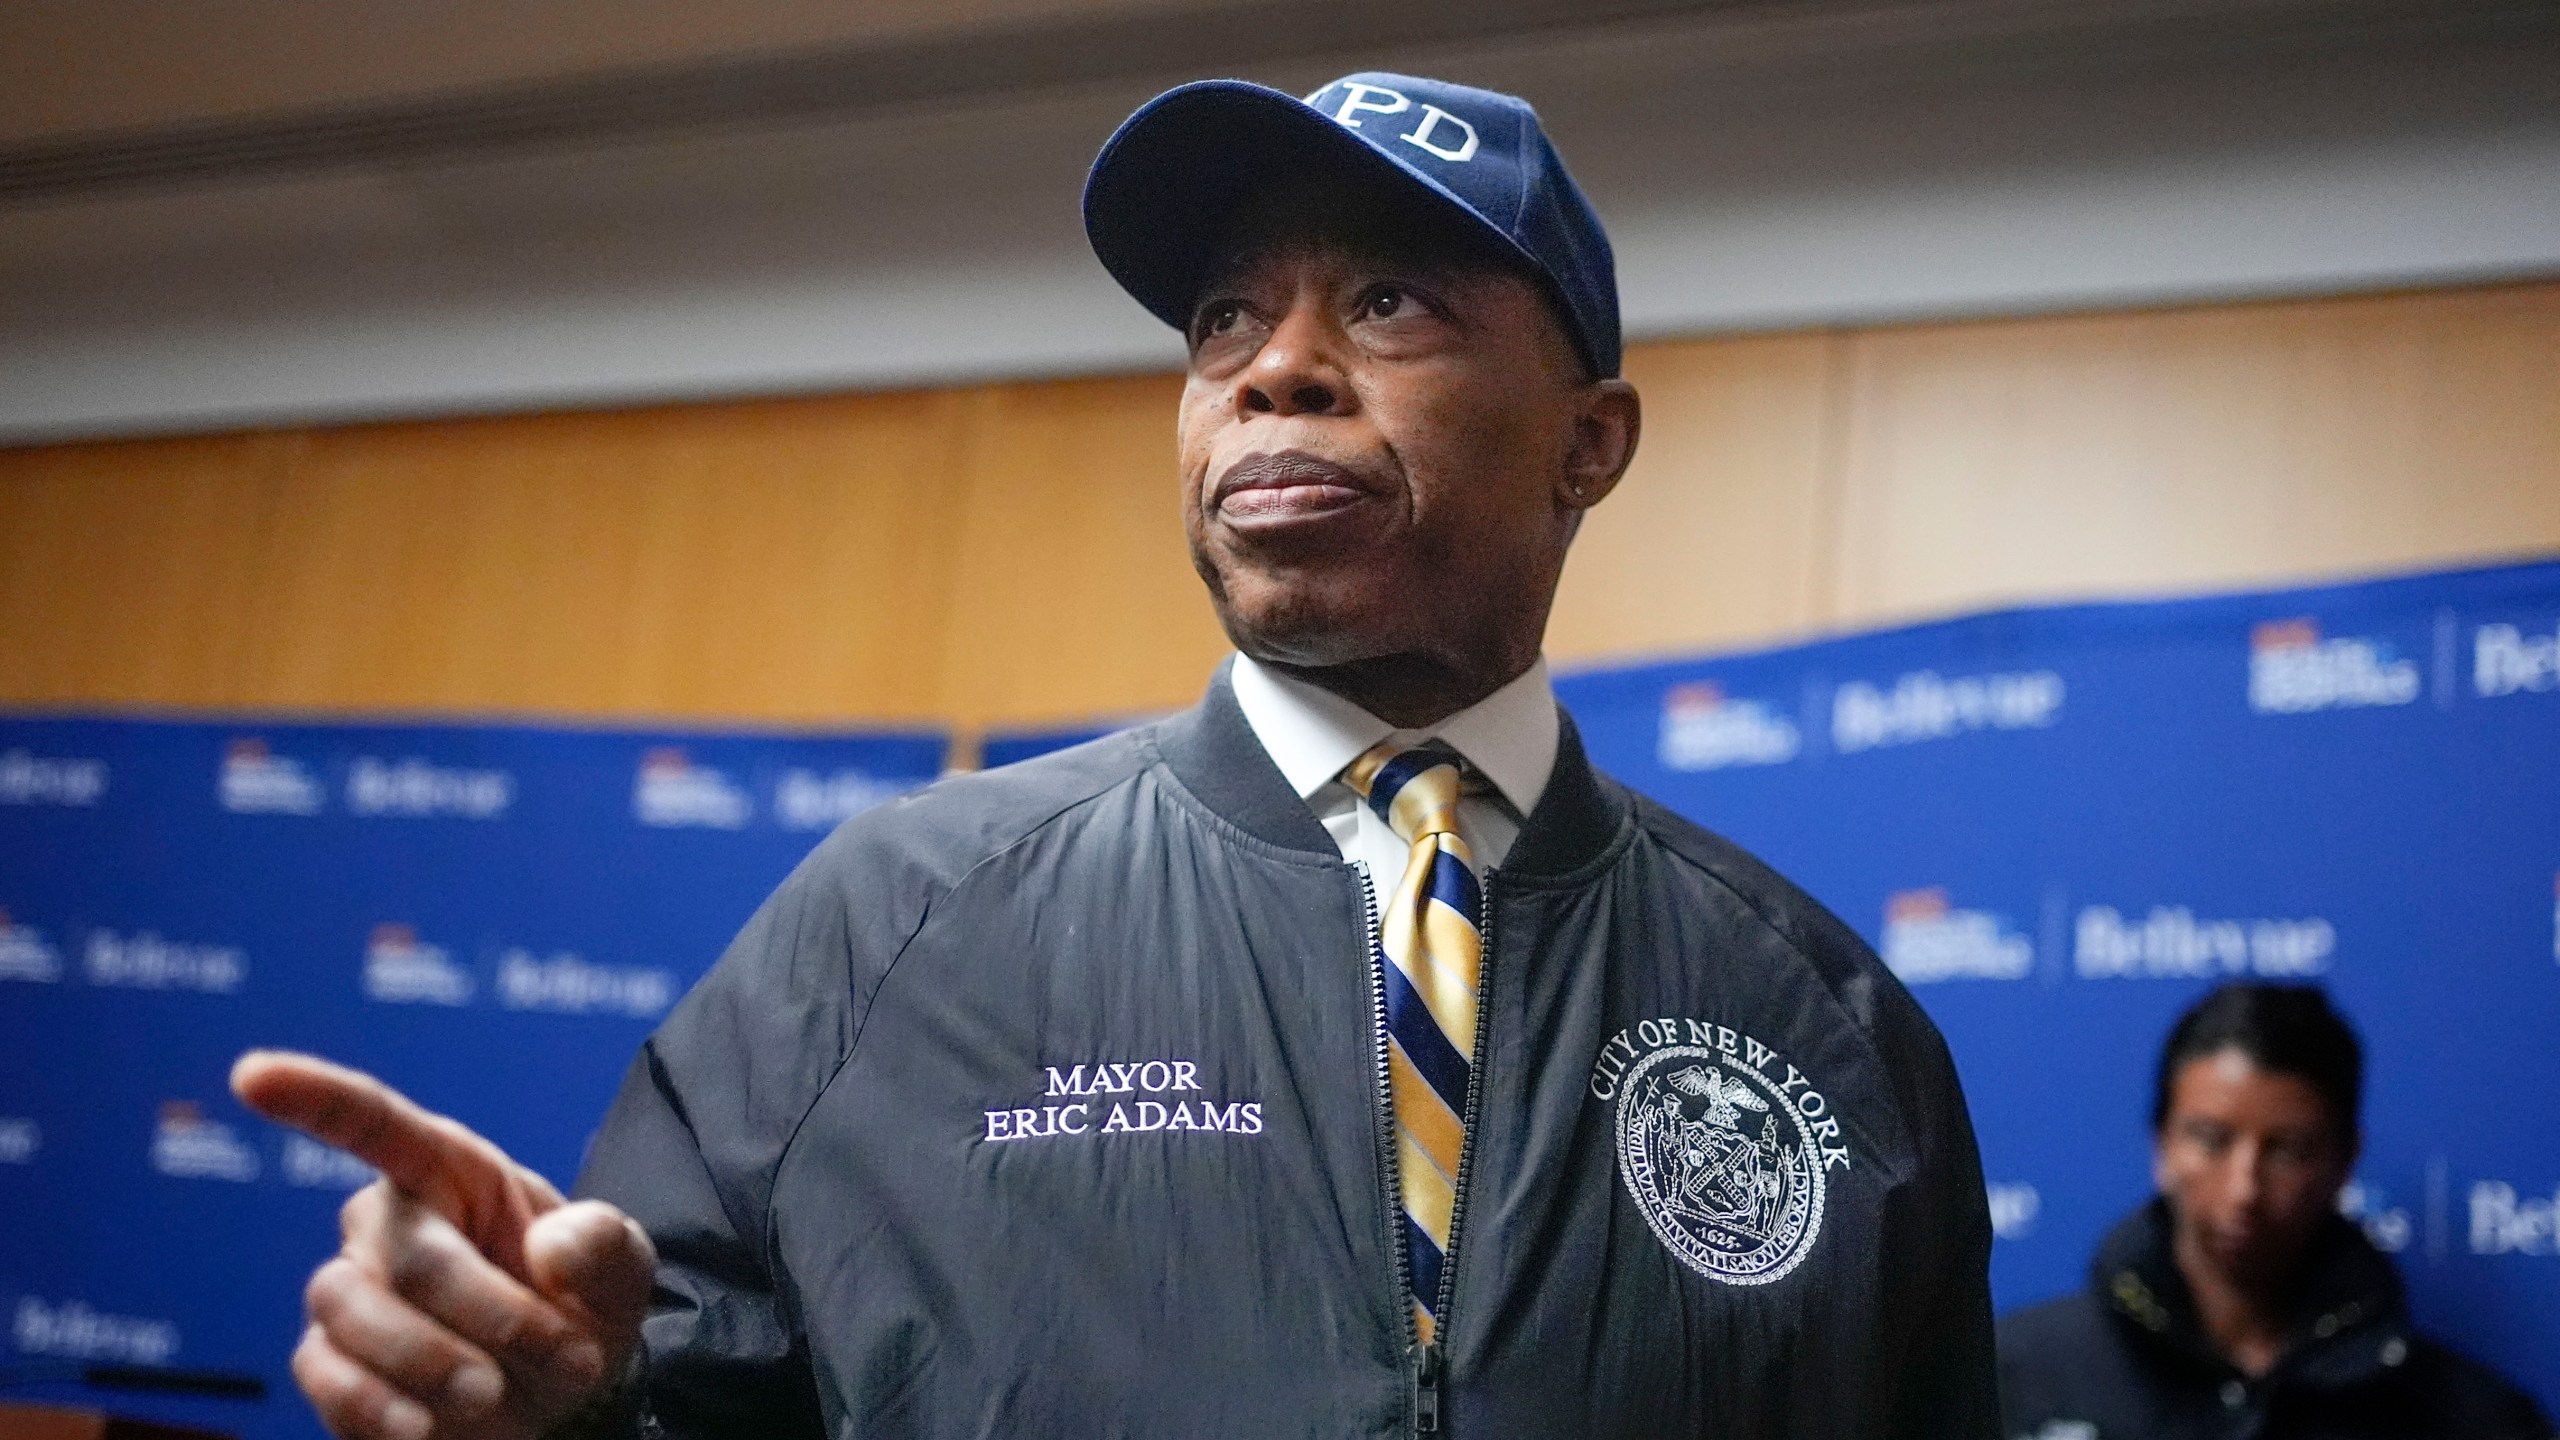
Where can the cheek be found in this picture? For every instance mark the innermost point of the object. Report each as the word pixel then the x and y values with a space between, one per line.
pixel 1469 453
pixel 2168 1173
pixel 2185 1173
pixel 2304 1191
pixel 1194 440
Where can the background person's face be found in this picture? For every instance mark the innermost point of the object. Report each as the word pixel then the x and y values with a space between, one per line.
pixel 2250 1161
pixel 1374 454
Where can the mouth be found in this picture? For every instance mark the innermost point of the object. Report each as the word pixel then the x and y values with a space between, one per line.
pixel 2232 1239
pixel 1288 488
pixel 2241 1246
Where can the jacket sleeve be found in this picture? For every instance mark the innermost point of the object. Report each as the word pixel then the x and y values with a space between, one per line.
pixel 692 1144
pixel 1933 1374
pixel 1947 1378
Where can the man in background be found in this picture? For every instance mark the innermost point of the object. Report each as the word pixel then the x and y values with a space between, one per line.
pixel 2238 1302
pixel 1342 1057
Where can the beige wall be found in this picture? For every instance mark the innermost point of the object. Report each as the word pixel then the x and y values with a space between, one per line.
pixel 1805 483
pixel 1011 553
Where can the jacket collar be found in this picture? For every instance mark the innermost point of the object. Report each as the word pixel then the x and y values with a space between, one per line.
pixel 1577 817
pixel 1213 752
pixel 2351 1318
pixel 1509 736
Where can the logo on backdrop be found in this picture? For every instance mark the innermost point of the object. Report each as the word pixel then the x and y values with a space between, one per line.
pixel 43 780
pixel 1924 705
pixel 673 793
pixel 2390 1227
pixel 2506 1223
pixel 2504 661
pixel 312 1165
pixel 144 961
pixel 401 969
pixel 411 787
pixel 1703 728
pixel 24 955
pixel 808 800
pixel 189 1147
pixel 2294 671
pixel 566 984
pixel 257 781
pixel 2171 943
pixel 2014 1208
pixel 1722 1143
pixel 72 1330
pixel 20 1139
pixel 1927 939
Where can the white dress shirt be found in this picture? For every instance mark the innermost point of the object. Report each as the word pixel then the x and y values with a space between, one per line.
pixel 1311 734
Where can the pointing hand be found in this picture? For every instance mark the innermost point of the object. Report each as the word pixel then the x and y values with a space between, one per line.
pixel 468 1299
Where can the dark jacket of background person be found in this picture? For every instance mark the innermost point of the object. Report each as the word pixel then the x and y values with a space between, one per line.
pixel 876 1216
pixel 2127 1360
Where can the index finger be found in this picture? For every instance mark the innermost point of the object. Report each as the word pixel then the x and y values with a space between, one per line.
pixel 417 1151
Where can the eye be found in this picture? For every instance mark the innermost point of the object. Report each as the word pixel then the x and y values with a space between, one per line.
pixel 1217 317
pixel 1384 301
pixel 2302 1150
pixel 2206 1135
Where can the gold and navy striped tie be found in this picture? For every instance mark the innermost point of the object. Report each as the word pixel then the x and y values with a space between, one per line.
pixel 1435 960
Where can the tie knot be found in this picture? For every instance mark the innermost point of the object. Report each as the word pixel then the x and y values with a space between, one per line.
pixel 1414 789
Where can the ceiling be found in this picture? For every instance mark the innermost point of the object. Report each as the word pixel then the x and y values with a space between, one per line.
pixel 69 67
pixel 100 95
pixel 226 212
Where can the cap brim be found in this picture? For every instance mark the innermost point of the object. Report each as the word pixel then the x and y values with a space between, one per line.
pixel 1160 200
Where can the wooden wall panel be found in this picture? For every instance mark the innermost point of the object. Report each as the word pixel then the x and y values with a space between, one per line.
pixel 762 560
pixel 1013 553
pixel 768 561
pixel 131 574
pixel 2195 449
pixel 1076 596
pixel 1718 534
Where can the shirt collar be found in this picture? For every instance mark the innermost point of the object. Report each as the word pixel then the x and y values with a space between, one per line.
pixel 1312 733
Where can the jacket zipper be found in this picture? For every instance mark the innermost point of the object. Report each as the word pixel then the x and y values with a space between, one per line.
pixel 1427 1368
pixel 1425 1359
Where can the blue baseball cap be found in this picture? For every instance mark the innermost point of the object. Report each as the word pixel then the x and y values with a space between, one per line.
pixel 1161 195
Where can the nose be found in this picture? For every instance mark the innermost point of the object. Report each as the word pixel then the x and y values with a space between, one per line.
pixel 1297 370
pixel 2247 1178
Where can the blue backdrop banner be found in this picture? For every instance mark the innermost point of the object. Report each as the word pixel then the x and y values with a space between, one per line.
pixel 1004 747
pixel 492 917
pixel 2062 826
pixel 2058 826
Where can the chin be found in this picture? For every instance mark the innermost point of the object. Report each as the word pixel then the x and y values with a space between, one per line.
pixel 2259 1258
pixel 1314 622
pixel 1314 642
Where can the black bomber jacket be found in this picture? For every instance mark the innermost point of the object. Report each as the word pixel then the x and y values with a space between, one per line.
pixel 1049 1101
pixel 2127 1359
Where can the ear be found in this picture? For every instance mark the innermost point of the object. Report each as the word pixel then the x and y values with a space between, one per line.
pixel 1607 419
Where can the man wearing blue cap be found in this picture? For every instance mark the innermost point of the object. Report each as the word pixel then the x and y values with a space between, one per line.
pixel 1344 1056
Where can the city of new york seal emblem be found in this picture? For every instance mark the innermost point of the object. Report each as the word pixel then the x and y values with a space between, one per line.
pixel 1725 1160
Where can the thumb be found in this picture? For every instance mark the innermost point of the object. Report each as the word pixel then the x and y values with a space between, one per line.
pixel 591 1258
